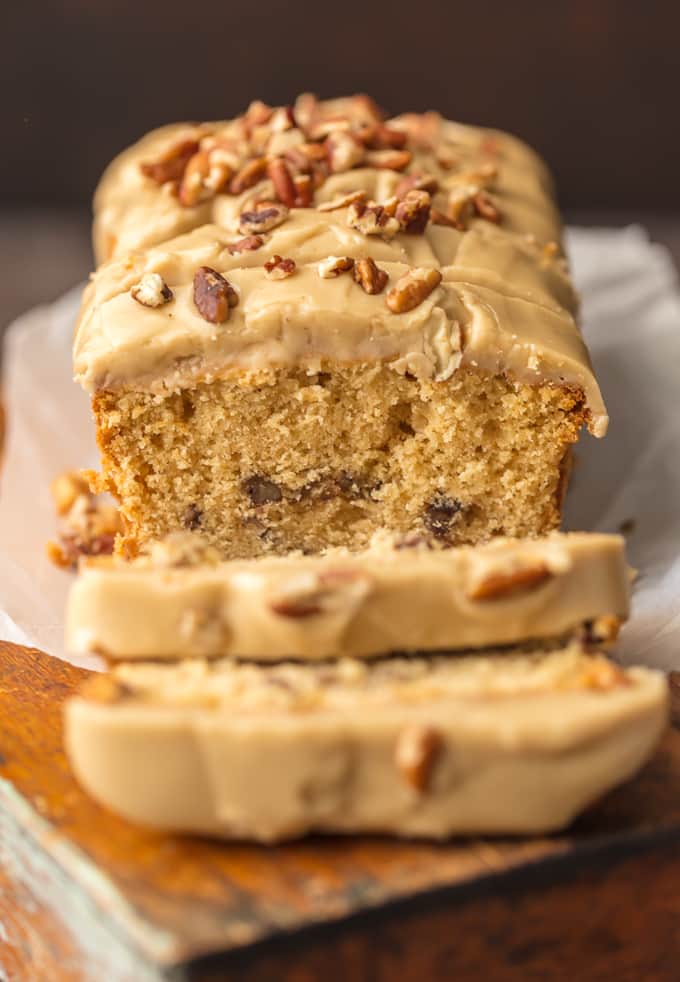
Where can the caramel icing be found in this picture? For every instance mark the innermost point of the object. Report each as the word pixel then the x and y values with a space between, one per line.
pixel 505 303
pixel 181 602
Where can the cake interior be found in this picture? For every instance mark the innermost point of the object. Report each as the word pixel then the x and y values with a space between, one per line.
pixel 290 459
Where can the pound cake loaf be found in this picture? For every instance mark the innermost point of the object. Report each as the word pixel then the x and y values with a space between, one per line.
pixel 500 743
pixel 363 324
pixel 180 601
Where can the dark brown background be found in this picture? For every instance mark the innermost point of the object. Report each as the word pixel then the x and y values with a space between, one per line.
pixel 593 84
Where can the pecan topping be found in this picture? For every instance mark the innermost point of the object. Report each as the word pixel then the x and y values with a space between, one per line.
pixel 416 753
pixel 88 523
pixel 439 218
pixel 370 277
pixel 344 151
pixel 440 514
pixel 249 244
pixel 460 207
pixel 485 208
pixel 277 268
pixel 310 594
pixel 282 179
pixel 388 159
pixel 193 187
pixel 501 584
pixel 171 164
pixel 379 136
pixel 263 220
pixel 413 212
pixel 372 219
pixel 343 201
pixel 260 490
pixel 213 295
pixel 417 182
pixel 249 175
pixel 151 291
pixel 304 190
pixel 333 266
pixel 410 291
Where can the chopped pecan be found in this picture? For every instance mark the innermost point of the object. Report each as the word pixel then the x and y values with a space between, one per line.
pixel 380 136
pixel 88 523
pixel 500 584
pixel 603 630
pixel 213 295
pixel 417 182
pixel 304 190
pixel 440 514
pixel 370 277
pixel 282 179
pixel 191 519
pixel 310 594
pixel 343 201
pixel 248 244
pixel 66 488
pixel 485 208
pixel 344 151
pixel 333 266
pixel 282 119
pixel 278 268
pixel 410 290
pixel 263 220
pixel 249 175
pixel 261 490
pixel 439 218
pixel 460 207
pixel 305 155
pixel 193 188
pixel 413 212
pixel 388 159
pixel 258 113
pixel 372 219
pixel 171 164
pixel 151 291
pixel 416 753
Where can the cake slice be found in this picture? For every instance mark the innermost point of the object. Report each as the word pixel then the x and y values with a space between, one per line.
pixel 180 601
pixel 500 743
pixel 375 329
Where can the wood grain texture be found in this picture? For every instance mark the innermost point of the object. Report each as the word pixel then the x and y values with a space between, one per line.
pixel 138 905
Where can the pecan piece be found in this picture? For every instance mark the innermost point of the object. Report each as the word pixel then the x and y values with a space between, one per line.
pixel 248 244
pixel 439 218
pixel 249 175
pixel 440 514
pixel 304 190
pixel 413 212
pixel 260 490
pixel 344 151
pixel 485 208
pixel 388 159
pixel 370 277
pixel 379 136
pixel 192 517
pixel 372 219
pixel 171 164
pixel 263 219
pixel 416 753
pixel 417 182
pixel 329 268
pixel 278 268
pixel 151 291
pixel 410 290
pixel 213 295
pixel 500 584
pixel 310 594
pixel 282 179
pixel 460 207
pixel 343 201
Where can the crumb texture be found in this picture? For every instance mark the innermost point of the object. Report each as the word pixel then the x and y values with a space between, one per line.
pixel 284 459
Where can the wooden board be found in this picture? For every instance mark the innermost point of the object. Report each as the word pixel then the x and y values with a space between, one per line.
pixel 85 895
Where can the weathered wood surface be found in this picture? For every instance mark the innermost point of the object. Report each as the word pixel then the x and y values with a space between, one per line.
pixel 84 895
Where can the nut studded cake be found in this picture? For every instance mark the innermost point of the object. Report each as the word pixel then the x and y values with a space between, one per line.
pixel 316 323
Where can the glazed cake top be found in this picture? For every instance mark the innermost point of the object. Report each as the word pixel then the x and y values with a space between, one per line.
pixel 288 206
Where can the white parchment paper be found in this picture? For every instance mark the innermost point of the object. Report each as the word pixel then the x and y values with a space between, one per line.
pixel 631 313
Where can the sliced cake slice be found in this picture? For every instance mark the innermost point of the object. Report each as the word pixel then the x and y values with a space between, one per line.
pixel 180 601
pixel 424 746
